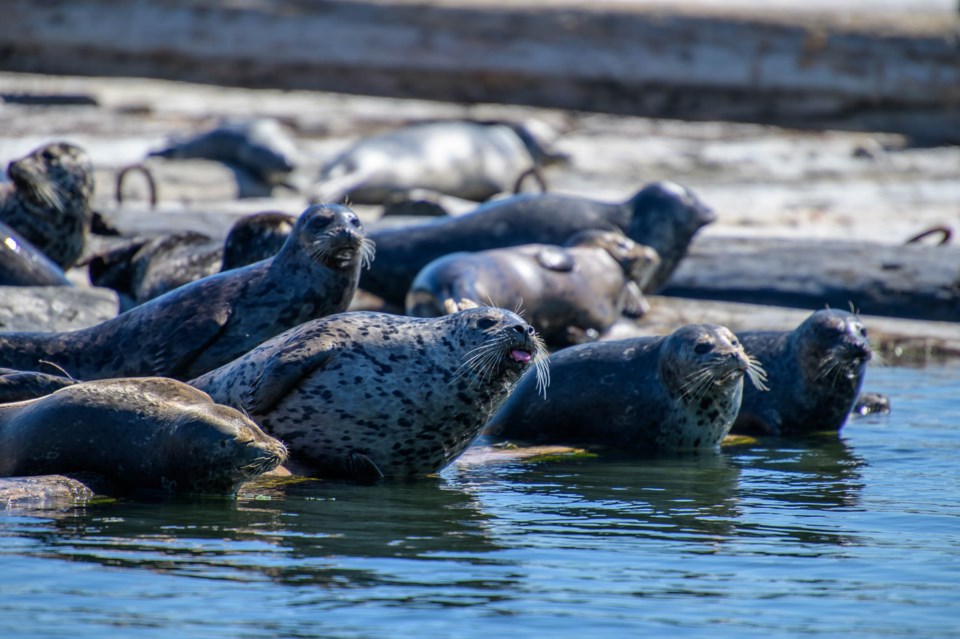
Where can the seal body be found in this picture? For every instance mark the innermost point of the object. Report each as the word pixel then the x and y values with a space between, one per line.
pixel 371 394
pixel 663 216
pixel 151 434
pixel 681 391
pixel 48 202
pixel 202 325
pixel 22 264
pixel 469 160
pixel 568 294
pixel 814 372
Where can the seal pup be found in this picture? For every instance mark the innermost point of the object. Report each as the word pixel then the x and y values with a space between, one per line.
pixel 815 373
pixel 207 323
pixel 570 294
pixel 48 201
pixel 676 392
pixel 260 147
pixel 662 215
pixel 369 395
pixel 467 159
pixel 22 264
pixel 151 434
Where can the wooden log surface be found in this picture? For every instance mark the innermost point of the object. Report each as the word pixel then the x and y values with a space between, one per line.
pixel 870 73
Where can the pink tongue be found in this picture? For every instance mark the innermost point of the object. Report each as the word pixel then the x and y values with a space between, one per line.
pixel 520 356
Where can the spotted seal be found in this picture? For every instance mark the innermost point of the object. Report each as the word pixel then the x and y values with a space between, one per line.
pixel 142 433
pixel 569 294
pixel 366 394
pixel 663 216
pixel 679 391
pixel 22 264
pixel 203 325
pixel 467 159
pixel 815 374
pixel 49 200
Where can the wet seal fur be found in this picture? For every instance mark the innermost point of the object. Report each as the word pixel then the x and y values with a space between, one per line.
pixel 144 434
pixel 205 324
pixel 569 294
pixel 466 159
pixel 814 373
pixel 677 392
pixel 663 216
pixel 22 264
pixel 368 395
pixel 49 201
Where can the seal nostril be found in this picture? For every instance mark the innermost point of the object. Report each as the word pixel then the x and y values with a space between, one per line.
pixel 520 329
pixel 530 331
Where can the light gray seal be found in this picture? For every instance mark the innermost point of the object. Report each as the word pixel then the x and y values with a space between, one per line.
pixel 22 264
pixel 49 200
pixel 368 395
pixel 466 159
pixel 569 294
pixel 815 373
pixel 663 215
pixel 205 324
pixel 677 392
pixel 144 434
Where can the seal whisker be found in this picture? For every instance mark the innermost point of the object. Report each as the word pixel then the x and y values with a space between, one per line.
pixel 757 374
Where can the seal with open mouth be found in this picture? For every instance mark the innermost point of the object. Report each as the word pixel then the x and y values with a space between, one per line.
pixel 371 394
pixel 677 392
pixel 815 373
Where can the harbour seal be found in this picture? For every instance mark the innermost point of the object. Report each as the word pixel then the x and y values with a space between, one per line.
pixel 815 374
pixel 143 268
pixel 466 159
pixel 150 434
pixel 569 294
pixel 22 264
pixel 16 386
pixel 369 395
pixel 663 216
pixel 48 202
pixel 204 324
pixel 681 391
pixel 260 147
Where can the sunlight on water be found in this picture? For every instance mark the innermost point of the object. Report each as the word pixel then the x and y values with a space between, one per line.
pixel 856 536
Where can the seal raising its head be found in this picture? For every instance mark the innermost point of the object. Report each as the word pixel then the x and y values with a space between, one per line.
pixel 371 394
pixel 49 202
pixel 663 215
pixel 681 391
pixel 815 373
pixel 207 323
pixel 569 294
pixel 141 433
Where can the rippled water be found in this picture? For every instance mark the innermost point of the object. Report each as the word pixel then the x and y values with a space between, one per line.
pixel 853 537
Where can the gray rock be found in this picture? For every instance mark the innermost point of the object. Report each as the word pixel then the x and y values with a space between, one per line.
pixel 54 308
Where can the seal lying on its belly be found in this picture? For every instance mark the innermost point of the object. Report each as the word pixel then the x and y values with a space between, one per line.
pixel 202 325
pixel 568 294
pixel 663 216
pixel 49 200
pixel 144 434
pixel 22 264
pixel 676 392
pixel 373 395
pixel 815 374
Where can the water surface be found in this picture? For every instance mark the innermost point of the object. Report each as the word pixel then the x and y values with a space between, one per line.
pixel 853 536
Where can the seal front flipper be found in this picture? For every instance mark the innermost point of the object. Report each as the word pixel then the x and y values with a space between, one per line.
pixel 181 345
pixel 554 258
pixel 635 305
pixel 281 374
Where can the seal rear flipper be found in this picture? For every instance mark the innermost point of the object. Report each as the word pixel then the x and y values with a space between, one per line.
pixel 635 305
pixel 281 374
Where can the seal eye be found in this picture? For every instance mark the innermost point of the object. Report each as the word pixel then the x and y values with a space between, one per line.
pixel 318 223
pixel 702 348
pixel 485 323
pixel 355 221
pixel 863 331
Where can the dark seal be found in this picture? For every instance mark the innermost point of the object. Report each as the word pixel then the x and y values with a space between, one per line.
pixel 373 395
pixel 677 392
pixel 22 264
pixel 205 324
pixel 814 372
pixel 663 216
pixel 144 434
pixel 568 294
pixel 48 202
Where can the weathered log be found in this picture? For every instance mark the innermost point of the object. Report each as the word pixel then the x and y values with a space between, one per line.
pixel 51 491
pixel 891 74
pixel 919 282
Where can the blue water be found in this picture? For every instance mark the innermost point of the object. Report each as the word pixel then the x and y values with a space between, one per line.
pixel 856 536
